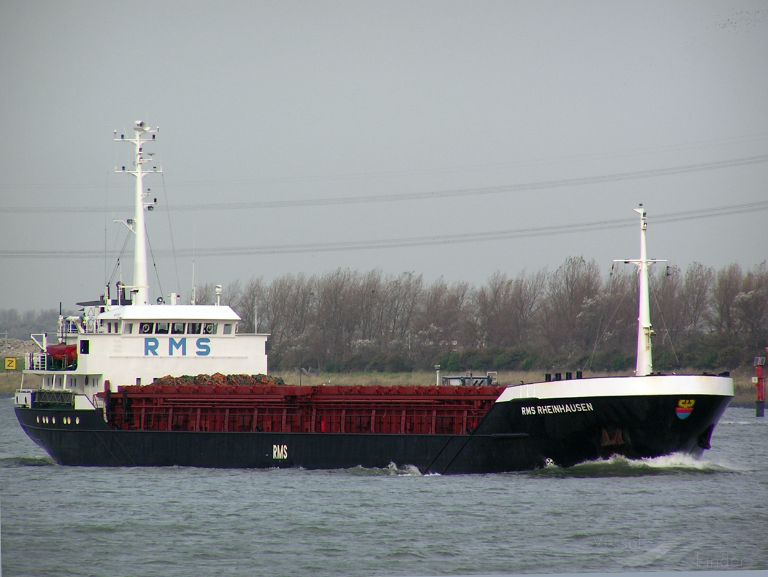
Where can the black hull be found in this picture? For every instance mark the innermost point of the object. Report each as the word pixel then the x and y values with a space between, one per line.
pixel 515 435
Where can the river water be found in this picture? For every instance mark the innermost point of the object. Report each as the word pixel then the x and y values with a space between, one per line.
pixel 671 513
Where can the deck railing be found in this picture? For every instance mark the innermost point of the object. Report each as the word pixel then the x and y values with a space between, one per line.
pixel 41 361
pixel 37 362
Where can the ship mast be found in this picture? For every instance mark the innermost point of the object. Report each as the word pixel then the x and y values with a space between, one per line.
pixel 644 363
pixel 143 134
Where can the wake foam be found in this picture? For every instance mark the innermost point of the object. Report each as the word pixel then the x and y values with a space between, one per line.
pixel 391 470
pixel 26 462
pixel 619 466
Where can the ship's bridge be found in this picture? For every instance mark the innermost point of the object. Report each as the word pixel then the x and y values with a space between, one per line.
pixel 169 319
pixel 135 344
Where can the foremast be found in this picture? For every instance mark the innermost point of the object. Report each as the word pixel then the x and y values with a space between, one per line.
pixel 142 135
pixel 644 363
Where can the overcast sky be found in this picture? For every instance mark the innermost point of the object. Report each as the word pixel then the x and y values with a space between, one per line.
pixel 472 136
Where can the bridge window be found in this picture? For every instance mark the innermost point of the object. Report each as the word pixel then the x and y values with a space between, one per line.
pixel 145 328
pixel 209 328
pixel 228 329
pixel 161 329
pixel 177 328
pixel 194 328
pixel 127 328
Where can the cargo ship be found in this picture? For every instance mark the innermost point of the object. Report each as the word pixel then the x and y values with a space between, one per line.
pixel 134 383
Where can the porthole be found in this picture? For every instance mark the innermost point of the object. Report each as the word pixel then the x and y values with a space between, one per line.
pixel 77 420
pixel 38 420
pixel 53 420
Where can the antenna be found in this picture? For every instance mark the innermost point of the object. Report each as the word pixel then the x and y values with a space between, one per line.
pixel 142 134
pixel 194 288
pixel 644 364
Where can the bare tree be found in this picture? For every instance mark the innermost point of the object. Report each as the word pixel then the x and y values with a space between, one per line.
pixel 231 294
pixel 204 294
pixel 616 314
pixel 506 309
pixel 369 294
pixel 252 299
pixel 695 297
pixel 727 286
pixel 335 321
pixel 494 311
pixel 278 315
pixel 571 293
pixel 527 295
pixel 668 316
pixel 751 307
pixel 443 321
pixel 401 295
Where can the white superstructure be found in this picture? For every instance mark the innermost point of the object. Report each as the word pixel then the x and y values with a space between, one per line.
pixel 132 342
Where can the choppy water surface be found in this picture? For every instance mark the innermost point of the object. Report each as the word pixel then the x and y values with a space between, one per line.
pixel 671 513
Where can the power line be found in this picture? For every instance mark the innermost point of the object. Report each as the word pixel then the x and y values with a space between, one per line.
pixel 411 196
pixel 402 242
pixel 695 145
pixel 483 191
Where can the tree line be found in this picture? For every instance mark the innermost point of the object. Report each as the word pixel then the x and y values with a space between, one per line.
pixel 19 325
pixel 570 318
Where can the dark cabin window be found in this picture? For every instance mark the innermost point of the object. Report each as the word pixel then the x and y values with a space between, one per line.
pixel 161 329
pixel 84 346
pixel 145 328
pixel 194 328
pixel 177 328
